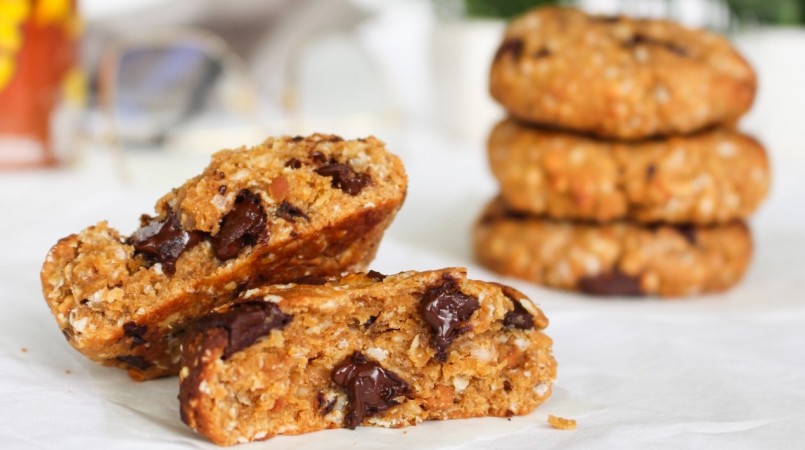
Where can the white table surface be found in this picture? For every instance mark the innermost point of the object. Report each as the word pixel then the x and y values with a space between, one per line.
pixel 721 371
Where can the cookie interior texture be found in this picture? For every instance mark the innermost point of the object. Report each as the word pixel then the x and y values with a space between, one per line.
pixel 288 208
pixel 370 351
pixel 618 77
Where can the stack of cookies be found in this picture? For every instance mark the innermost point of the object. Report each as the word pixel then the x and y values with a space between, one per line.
pixel 620 170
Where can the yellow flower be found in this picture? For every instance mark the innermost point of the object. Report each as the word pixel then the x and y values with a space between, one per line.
pixel 52 11
pixel 6 69
pixel 10 37
pixel 12 15
pixel 14 11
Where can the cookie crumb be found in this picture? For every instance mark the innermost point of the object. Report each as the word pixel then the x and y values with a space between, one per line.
pixel 68 371
pixel 561 423
pixel 24 349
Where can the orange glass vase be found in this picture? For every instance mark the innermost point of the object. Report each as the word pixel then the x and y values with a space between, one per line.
pixel 38 51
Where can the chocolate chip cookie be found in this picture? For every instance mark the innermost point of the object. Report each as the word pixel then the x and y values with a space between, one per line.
pixel 290 208
pixel 365 350
pixel 618 77
pixel 617 258
pixel 715 176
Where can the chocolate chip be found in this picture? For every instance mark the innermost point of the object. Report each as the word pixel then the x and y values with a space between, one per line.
pixel 688 232
pixel 370 321
pixel 344 177
pixel 371 389
pixel 325 406
pixel 318 157
pixel 445 308
pixel 507 386
pixel 138 362
pixel 519 317
pixel 605 19
pixel 614 283
pixel 651 170
pixel 297 138
pixel 316 280
pixel 163 241
pixel 240 227
pixel 245 323
pixel 290 212
pixel 135 332
pixel 509 414
pixel 84 301
pixel 541 53
pixel 375 275
pixel 642 39
pixel 513 46
pixel 293 163
pixel 222 189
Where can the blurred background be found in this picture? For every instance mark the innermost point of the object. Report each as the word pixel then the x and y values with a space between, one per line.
pixel 158 85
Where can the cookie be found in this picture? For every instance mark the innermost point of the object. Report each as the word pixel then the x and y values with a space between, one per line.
pixel 617 258
pixel 286 209
pixel 714 176
pixel 618 77
pixel 365 350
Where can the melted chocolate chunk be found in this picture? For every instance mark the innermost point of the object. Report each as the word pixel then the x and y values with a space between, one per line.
pixel 651 170
pixel 513 46
pixel 138 362
pixel 344 177
pixel 688 232
pixel 293 163
pixel 240 227
pixel 246 322
pixel 519 317
pixel 135 332
pixel 541 53
pixel 315 280
pixel 163 241
pixel 445 308
pixel 318 157
pixel 614 283
pixel 507 386
pixel 642 39
pixel 375 275
pixel 290 212
pixel 371 388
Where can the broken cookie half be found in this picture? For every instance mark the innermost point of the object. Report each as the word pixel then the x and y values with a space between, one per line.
pixel 290 208
pixel 364 350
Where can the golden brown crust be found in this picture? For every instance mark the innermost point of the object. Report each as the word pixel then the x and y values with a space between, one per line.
pixel 715 176
pixel 618 77
pixel 284 382
pixel 119 308
pixel 615 258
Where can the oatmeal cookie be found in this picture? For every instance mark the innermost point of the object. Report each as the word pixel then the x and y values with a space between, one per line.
pixel 280 211
pixel 365 350
pixel 618 77
pixel 617 258
pixel 715 176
